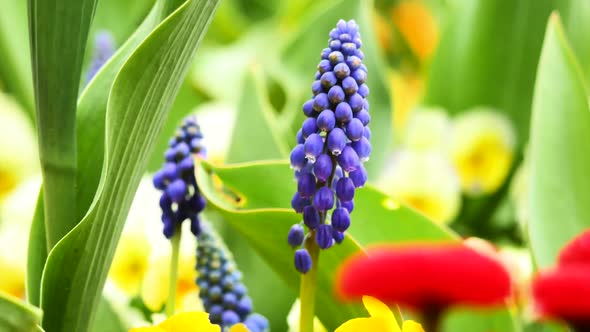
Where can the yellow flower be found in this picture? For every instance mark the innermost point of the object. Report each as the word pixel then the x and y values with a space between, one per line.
pixel 142 260
pixel 188 322
pixel 18 148
pixel 131 262
pixel 428 128
pixel 482 150
pixel 425 181
pixel 418 26
pixel 382 320
pixel 154 291
pixel 13 258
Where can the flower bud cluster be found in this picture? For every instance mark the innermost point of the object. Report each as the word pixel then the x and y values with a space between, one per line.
pixel 223 294
pixel 181 198
pixel 332 144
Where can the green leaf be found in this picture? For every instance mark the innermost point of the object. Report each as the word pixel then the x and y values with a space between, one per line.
pixel 576 20
pixel 261 213
pixel 37 254
pixel 482 320
pixel 302 56
pixel 139 100
pixel 58 33
pixel 15 67
pixel 255 137
pixel 16 316
pixel 92 108
pixel 488 55
pixel 107 319
pixel 559 149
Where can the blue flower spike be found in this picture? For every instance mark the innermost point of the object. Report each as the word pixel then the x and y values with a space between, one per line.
pixel 104 48
pixel 221 290
pixel 181 199
pixel 332 145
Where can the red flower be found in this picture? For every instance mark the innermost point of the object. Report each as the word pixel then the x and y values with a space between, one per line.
pixel 426 276
pixel 577 251
pixel 564 293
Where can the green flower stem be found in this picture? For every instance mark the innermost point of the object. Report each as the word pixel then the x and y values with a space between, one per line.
pixel 309 282
pixel 173 272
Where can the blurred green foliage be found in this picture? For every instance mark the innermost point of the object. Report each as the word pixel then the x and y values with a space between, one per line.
pixel 260 56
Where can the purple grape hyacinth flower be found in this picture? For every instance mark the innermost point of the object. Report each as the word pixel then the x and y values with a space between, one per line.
pixel 221 289
pixel 181 198
pixel 332 145
pixel 104 48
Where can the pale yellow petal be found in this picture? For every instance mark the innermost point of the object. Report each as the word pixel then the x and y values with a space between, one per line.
pixel 411 326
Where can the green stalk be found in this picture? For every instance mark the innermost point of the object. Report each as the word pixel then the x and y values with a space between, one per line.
pixel 309 283
pixel 172 283
pixel 58 32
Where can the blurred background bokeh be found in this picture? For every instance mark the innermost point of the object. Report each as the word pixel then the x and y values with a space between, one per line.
pixel 451 92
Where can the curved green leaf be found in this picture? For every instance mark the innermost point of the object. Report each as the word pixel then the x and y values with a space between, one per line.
pixel 256 124
pixel 16 316
pixel 254 200
pixel 139 100
pixel 36 254
pixel 302 56
pixel 92 107
pixel 559 149
pixel 260 211
pixel 58 33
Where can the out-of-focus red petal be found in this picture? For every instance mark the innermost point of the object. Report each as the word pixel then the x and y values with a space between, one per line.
pixel 576 251
pixel 564 293
pixel 425 275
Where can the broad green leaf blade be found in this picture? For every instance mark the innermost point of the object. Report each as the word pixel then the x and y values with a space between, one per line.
pixel 559 149
pixel 16 316
pixel 266 229
pixel 92 108
pixel 58 34
pixel 302 54
pixel 15 67
pixel 140 98
pixel 37 254
pixel 488 55
pixel 260 211
pixel 254 137
pixel 263 215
